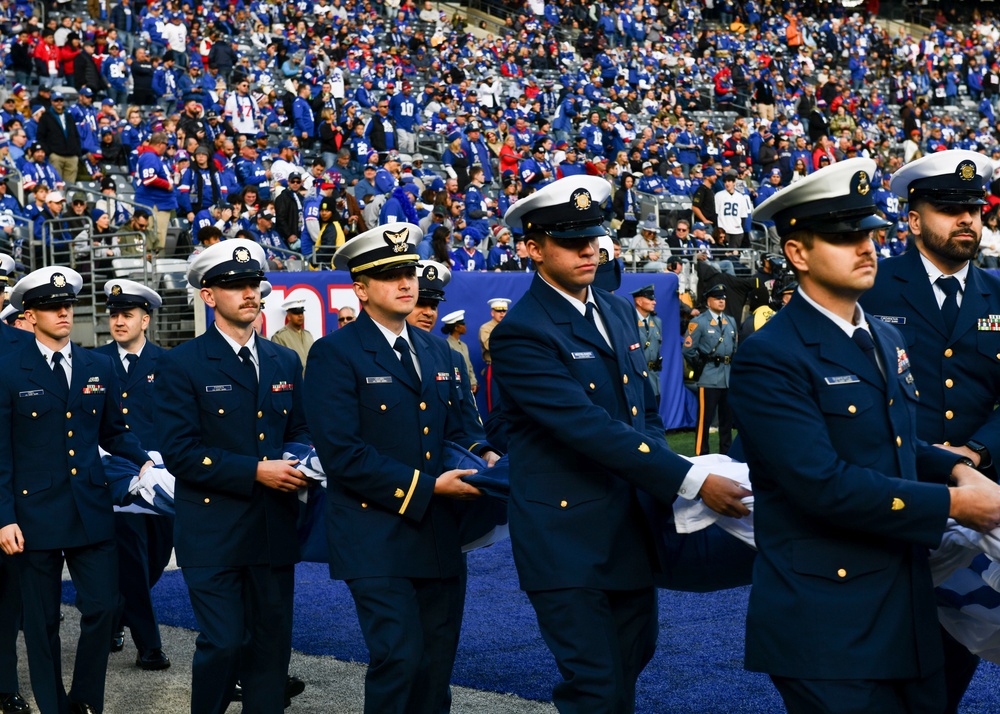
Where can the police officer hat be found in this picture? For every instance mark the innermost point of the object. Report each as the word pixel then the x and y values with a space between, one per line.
pixel 228 261
pixel 649 293
pixel 716 291
pixel 432 277
pixel 945 177
pixel 127 294
pixel 53 285
pixel 836 199
pixel 383 248
pixel 571 207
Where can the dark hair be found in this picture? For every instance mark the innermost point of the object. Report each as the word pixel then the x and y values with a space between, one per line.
pixel 440 243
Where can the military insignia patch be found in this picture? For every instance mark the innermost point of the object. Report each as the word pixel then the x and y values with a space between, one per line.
pixel 603 256
pixel 116 289
pixel 458 375
pixel 902 361
pixel 397 240
pixel 94 389
pixel 442 377
pixel 633 348
pixel 581 199
pixel 150 377
pixel 282 386
pixel 241 255
pixel 59 280
pixel 430 273
pixel 94 380
pixel 966 170
pixel 990 323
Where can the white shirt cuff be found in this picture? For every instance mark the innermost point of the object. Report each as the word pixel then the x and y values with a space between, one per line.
pixel 693 481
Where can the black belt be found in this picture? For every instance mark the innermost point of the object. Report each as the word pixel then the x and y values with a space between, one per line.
pixel 722 360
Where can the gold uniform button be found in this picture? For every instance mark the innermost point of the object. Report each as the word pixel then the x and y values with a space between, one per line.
pixel 261 437
pixel 563 504
pixel 449 402
pixel 260 415
pixel 124 395
pixel 69 415
pixel 284 411
pixel 423 406
pixel 383 407
pixel 947 443
pixel 897 504
pixel 593 386
pixel 125 410
pixel 948 352
pixel 948 383
pixel 624 379
pixel 24 492
pixel 72 453
pixel 208 500
pixel 73 471
pixel 634 411
pixel 427 456
pixel 644 374
pixel 364 505
pixel 221 411
pixel 265 458
pixel 949 414
pixel 852 409
pixel 891 401
pixel 899 441
pixel 69 434
pixel 842 573
pixel 427 430
pixel 34 414
pixel 916 392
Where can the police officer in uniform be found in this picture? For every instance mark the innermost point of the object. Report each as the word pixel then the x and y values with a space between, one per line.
pixel 381 401
pixel 949 313
pixel 144 541
pixel 294 334
pixel 226 403
pixel 650 334
pixel 58 403
pixel 11 702
pixel 842 611
pixel 712 339
pixel 584 435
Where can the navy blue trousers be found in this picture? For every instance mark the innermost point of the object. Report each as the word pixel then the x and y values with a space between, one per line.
pixel 144 545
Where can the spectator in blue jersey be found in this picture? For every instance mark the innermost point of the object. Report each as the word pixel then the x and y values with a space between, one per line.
pixel 200 186
pixel 650 182
pixel 886 201
pixel 272 243
pixel 477 206
pixel 303 119
pixel 406 118
pixel 536 171
pixel 154 185
pixel 478 152
pixel 115 70
pixel 501 252
pixel 398 207
pixel 570 165
pixel 250 171
pixel 468 257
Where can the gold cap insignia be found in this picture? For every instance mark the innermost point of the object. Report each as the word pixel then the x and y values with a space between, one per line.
pixel 59 280
pixel 643 448
pixel 897 504
pixel 864 185
pixel 241 255
pixel 581 199
pixel 397 240
pixel 116 289
pixel 603 257
pixel 430 273
pixel 399 493
pixel 967 170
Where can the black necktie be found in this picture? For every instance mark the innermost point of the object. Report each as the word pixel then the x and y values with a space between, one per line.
pixel 131 359
pixel 403 348
pixel 60 373
pixel 248 363
pixel 949 308
pixel 863 340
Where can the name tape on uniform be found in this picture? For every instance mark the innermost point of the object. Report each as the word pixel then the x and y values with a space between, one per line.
pixel 891 319
pixel 378 380
pixel 842 379
pixel 218 388
pixel 584 355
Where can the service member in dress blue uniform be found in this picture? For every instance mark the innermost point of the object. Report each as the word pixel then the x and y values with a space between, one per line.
pixel 58 403
pixel 584 434
pixel 712 337
pixel 842 613
pixel 11 702
pixel 144 541
pixel 650 333
pixel 952 333
pixel 226 403
pixel 381 401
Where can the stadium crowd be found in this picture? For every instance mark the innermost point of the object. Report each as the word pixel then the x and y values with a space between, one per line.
pixel 299 126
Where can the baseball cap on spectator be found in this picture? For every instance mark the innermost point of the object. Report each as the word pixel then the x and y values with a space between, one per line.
pixel 261 135
pixel 699 226
pixel 597 158
pixel 440 211
pixel 202 150
pixel 58 97
pixel 285 144
pixel 182 156
pixel 710 171
pixel 266 215
pixel 646 165
pixel 371 167
pixel 35 147
pixel 86 92
pixel 108 102
pixel 108 182
pixel 55 197
pixel 776 172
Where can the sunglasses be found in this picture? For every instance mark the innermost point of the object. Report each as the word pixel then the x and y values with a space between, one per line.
pixel 345 319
